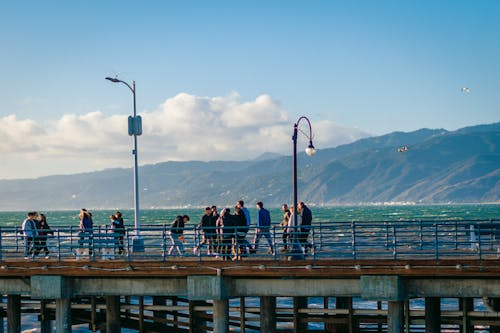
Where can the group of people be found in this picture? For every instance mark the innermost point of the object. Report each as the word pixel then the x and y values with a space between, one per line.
pixel 36 230
pixel 300 229
pixel 225 233
pixel 86 226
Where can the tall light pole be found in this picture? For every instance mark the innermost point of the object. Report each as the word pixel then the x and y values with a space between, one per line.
pixel 135 129
pixel 296 252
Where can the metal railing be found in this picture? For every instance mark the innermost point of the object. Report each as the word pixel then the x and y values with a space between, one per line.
pixel 473 239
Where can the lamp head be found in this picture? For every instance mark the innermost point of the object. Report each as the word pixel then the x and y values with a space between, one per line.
pixel 310 150
pixel 115 80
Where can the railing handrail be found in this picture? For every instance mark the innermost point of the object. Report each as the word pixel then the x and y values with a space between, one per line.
pixel 432 239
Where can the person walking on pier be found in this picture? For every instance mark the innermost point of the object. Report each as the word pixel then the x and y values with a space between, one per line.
pixel 226 233
pixel 305 225
pixel 207 230
pixel 263 228
pixel 284 224
pixel 176 234
pixel 43 233
pixel 246 212
pixel 121 231
pixel 240 245
pixel 118 230
pixel 30 233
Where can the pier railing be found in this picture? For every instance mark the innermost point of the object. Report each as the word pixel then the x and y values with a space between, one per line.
pixel 433 240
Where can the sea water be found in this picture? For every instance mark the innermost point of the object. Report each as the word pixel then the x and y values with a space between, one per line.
pixel 320 215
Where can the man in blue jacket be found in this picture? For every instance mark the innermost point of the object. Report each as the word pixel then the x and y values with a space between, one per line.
pixel 263 227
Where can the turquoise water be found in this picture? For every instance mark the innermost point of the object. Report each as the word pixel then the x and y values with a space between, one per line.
pixel 320 214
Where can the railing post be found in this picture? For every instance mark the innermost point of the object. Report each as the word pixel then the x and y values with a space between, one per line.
pixel 313 243
pixel 420 234
pixel 436 241
pixel 320 236
pixel 275 247
pixel 353 241
pixel 127 233
pixel 479 251
pixel 58 237
pixel 386 235
pixel 394 242
pixel 164 243
pixel 17 237
pixel 1 247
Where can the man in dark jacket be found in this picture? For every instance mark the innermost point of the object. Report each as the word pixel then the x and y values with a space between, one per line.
pixel 207 228
pixel 305 225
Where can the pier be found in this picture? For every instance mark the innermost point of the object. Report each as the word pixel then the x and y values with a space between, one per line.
pixel 358 277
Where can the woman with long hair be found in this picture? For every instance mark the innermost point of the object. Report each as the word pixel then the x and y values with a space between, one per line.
pixel 43 232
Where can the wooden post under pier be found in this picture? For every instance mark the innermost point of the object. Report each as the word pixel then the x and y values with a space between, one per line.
pixel 267 314
pixel 14 313
pixel 221 316
pixel 432 315
pixel 63 315
pixel 113 314
pixel 395 317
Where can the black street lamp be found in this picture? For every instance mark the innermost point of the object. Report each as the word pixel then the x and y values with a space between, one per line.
pixel 135 129
pixel 296 252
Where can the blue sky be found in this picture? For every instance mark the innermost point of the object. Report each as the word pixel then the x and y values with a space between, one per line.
pixel 353 67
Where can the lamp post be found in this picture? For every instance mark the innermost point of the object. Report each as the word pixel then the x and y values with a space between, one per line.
pixel 135 129
pixel 296 252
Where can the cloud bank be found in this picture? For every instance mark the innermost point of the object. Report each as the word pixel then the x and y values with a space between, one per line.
pixel 184 127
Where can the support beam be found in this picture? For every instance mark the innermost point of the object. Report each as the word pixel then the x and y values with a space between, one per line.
pixel 45 322
pixel 432 315
pixel 242 315
pixel 13 313
pixel 1 317
pixel 159 300
pixel 344 303
pixel 466 305
pixel 63 315
pixel 268 314
pixel 395 317
pixel 298 325
pixel 494 303
pixel 197 321
pixel 113 314
pixel 221 316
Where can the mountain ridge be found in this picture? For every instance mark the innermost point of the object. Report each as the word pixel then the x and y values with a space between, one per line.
pixel 439 166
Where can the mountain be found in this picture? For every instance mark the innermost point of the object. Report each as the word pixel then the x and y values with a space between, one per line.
pixel 439 166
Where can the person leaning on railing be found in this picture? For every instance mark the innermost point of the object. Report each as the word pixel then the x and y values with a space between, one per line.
pixel 118 228
pixel 86 225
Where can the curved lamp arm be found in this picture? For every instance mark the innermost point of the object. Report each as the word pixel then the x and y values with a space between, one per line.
pixel 310 150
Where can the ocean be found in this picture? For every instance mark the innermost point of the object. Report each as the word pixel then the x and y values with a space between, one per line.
pixel 320 215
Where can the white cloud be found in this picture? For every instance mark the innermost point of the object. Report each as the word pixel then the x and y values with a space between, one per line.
pixel 184 127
